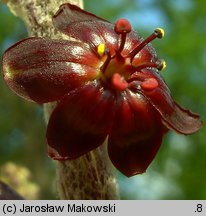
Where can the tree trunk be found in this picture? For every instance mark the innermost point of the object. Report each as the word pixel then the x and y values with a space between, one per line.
pixel 90 176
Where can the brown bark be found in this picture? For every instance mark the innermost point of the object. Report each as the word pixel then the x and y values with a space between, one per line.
pixel 90 176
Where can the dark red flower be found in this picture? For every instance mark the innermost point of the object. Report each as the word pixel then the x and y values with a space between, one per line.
pixel 106 82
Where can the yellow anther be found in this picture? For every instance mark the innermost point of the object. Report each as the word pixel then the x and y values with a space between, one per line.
pixel 101 49
pixel 161 65
pixel 164 64
pixel 160 32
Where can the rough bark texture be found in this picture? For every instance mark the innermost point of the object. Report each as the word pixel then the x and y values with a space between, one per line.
pixel 91 176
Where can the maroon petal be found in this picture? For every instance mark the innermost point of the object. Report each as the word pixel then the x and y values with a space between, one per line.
pixel 69 14
pixel 85 26
pixel 80 122
pixel 173 115
pixel 136 134
pixel 91 29
pixel 44 70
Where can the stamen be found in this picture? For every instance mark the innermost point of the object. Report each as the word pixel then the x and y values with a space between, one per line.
pixel 158 33
pixel 146 65
pixel 122 27
pixel 106 63
pixel 101 49
pixel 161 65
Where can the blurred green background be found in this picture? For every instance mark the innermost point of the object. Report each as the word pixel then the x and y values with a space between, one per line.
pixel 178 171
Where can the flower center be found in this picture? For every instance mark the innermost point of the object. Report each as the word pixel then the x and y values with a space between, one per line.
pixel 117 69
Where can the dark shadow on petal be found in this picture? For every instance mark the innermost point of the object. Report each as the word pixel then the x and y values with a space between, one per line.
pixel 80 122
pixel 136 135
